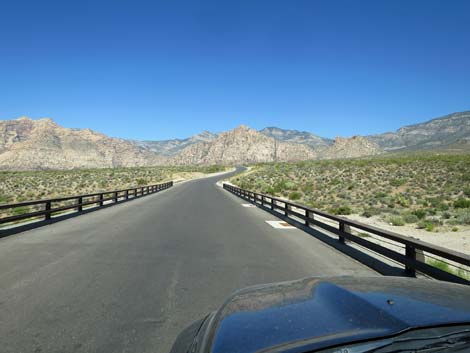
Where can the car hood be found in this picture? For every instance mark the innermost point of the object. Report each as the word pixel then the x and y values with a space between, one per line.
pixel 315 313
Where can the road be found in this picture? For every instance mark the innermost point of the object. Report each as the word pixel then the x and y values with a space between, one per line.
pixel 128 278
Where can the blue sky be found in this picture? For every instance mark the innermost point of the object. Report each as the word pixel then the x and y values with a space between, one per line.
pixel 164 69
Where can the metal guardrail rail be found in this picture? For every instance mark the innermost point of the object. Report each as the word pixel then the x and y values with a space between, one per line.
pixel 98 199
pixel 412 246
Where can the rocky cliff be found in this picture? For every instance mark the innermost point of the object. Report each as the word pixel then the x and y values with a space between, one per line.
pixel 242 145
pixel 27 144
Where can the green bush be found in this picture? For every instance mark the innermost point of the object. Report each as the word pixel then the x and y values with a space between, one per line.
pixel 403 201
pixel 141 182
pixel 369 212
pixel 463 218
pixel 295 195
pixel 410 218
pixel 466 191
pixel 20 210
pixel 462 203
pixel 420 213
pixel 342 210
pixel 397 182
pixel 396 221
pixel 428 225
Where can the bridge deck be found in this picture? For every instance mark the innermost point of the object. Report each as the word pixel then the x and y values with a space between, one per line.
pixel 130 277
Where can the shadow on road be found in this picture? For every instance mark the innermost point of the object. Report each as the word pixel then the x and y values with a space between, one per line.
pixel 364 258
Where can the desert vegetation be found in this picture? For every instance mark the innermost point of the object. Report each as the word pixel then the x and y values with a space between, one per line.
pixel 35 185
pixel 426 191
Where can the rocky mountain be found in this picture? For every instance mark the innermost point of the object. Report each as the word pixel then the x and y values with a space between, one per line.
pixel 172 147
pixel 452 129
pixel 354 147
pixel 295 136
pixel 242 145
pixel 27 144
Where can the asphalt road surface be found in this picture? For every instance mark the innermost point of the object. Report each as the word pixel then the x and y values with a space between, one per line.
pixel 130 277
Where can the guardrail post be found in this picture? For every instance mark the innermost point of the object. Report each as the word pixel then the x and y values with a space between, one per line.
pixel 79 202
pixel 410 253
pixel 308 215
pixel 127 194
pixel 142 191
pixel 47 216
pixel 272 203
pixel 101 200
pixel 116 197
pixel 286 209
pixel 342 228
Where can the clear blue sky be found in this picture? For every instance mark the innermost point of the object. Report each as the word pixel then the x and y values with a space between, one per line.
pixel 163 69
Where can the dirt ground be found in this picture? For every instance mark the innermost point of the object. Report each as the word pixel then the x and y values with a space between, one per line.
pixel 457 241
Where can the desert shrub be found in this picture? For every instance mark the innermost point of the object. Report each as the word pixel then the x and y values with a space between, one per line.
pixel 335 181
pixel 410 218
pixel 463 217
pixel 141 182
pixel 396 221
pixel 403 201
pixel 290 185
pixel 420 213
pixel 466 191
pixel 4 199
pixel 446 215
pixel 369 212
pixel 295 195
pixel 279 186
pixel 397 182
pixel 268 190
pixel 342 210
pixel 462 203
pixel 428 224
pixel 20 210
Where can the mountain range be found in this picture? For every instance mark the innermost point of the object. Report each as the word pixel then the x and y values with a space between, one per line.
pixel 27 144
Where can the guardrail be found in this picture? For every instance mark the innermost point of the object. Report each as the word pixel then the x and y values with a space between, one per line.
pixel 78 202
pixel 413 247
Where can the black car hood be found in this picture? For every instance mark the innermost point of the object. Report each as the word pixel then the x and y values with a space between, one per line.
pixel 321 312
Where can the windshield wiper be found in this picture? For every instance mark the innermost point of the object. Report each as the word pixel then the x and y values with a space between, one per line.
pixel 452 342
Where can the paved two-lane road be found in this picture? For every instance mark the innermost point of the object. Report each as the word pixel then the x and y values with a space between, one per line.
pixel 128 278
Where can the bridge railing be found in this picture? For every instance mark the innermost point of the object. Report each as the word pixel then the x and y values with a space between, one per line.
pixel 400 249
pixel 45 209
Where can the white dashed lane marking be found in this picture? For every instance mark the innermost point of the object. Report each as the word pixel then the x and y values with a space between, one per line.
pixel 280 225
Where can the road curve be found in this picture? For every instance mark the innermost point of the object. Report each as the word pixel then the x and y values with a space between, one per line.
pixel 128 278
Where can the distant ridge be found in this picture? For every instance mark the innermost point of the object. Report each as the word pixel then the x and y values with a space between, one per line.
pixel 433 134
pixel 295 136
pixel 27 144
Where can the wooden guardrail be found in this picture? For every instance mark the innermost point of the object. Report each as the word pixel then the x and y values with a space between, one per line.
pixel 47 209
pixel 412 247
